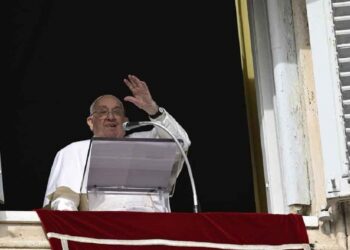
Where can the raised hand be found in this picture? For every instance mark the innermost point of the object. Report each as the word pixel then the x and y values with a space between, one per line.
pixel 142 98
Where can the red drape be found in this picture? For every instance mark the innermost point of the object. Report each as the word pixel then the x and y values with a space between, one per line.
pixel 165 230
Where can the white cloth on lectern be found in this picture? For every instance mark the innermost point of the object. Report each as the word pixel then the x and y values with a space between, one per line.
pixel 69 163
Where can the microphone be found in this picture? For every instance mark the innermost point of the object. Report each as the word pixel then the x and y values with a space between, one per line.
pixel 132 125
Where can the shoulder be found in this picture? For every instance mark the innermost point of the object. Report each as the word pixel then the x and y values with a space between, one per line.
pixel 75 150
pixel 77 145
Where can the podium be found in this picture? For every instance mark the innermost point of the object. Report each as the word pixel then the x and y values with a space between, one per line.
pixel 132 174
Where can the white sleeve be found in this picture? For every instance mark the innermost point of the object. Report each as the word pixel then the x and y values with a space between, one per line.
pixel 171 124
pixel 67 171
pixel 63 204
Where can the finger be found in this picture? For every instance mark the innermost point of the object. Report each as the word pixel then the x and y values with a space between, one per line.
pixel 129 84
pixel 140 82
pixel 134 78
pixel 135 81
pixel 133 100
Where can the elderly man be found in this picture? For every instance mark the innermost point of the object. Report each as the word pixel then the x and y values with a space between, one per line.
pixel 107 115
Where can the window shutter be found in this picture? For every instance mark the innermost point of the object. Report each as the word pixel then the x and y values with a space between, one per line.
pixel 338 180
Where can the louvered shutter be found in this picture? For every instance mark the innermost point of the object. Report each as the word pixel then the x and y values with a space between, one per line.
pixel 338 179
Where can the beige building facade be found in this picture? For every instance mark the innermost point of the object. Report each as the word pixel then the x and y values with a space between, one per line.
pixel 295 59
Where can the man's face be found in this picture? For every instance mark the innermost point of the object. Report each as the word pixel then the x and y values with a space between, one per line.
pixel 107 118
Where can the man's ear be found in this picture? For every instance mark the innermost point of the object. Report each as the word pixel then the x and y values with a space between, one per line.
pixel 89 123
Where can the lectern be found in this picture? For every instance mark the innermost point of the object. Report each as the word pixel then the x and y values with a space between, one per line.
pixel 143 169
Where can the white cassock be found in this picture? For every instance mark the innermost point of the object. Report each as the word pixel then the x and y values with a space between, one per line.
pixel 68 167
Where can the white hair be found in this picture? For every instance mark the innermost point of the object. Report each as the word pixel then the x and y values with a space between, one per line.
pixel 93 104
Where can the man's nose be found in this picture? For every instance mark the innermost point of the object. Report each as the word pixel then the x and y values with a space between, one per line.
pixel 110 115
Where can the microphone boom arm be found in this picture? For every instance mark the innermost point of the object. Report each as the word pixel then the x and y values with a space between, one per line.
pixel 133 125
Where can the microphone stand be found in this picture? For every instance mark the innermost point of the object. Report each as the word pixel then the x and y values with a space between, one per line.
pixel 86 163
pixel 189 169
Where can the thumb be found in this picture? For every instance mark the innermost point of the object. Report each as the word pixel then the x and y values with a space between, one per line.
pixel 131 99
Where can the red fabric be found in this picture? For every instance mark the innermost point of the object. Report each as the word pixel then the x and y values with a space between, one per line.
pixel 216 227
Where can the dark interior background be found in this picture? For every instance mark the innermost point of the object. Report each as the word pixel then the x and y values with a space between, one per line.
pixel 63 54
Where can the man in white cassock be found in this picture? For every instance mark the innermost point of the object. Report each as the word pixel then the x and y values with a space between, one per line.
pixel 106 118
